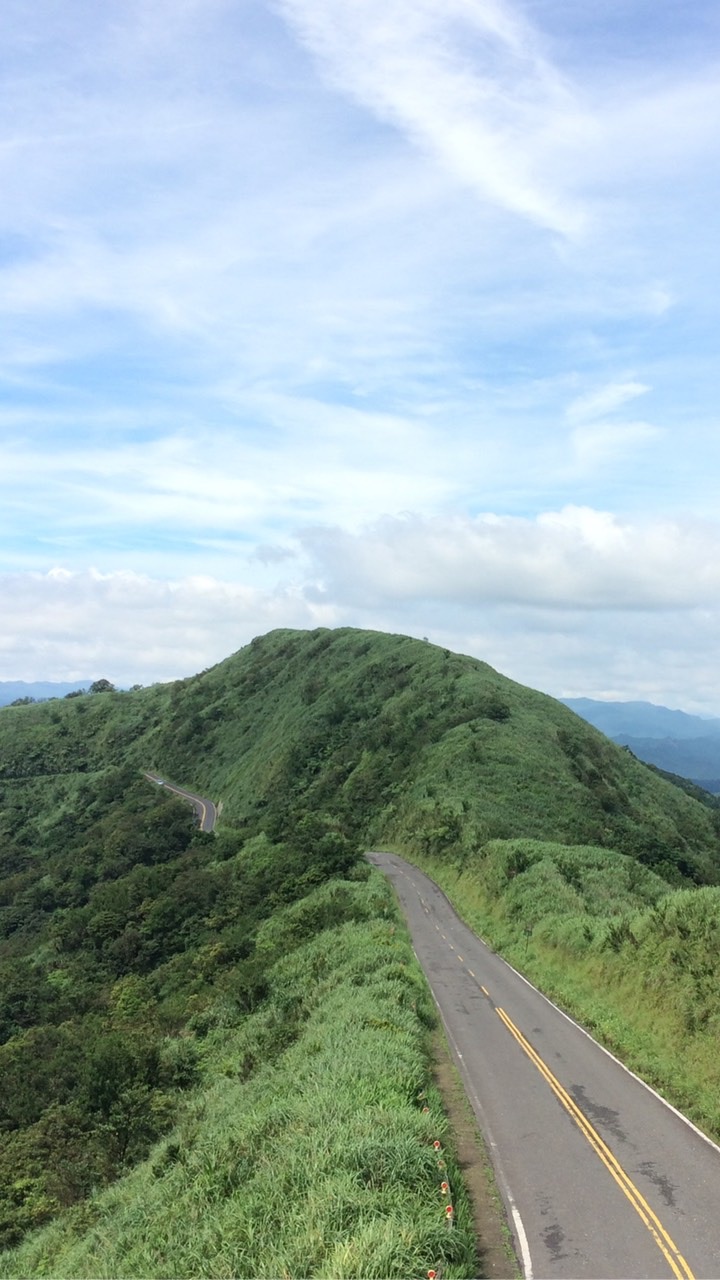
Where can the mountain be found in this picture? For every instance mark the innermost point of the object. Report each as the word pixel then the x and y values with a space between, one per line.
pixel 180 1012
pixel 674 741
pixel 396 739
pixel 643 720
pixel 38 690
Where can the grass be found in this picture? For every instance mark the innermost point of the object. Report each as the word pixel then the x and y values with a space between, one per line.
pixel 314 1160
pixel 398 739
pixel 636 967
pixel 306 1152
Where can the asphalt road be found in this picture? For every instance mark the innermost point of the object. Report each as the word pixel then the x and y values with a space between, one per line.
pixel 600 1177
pixel 205 809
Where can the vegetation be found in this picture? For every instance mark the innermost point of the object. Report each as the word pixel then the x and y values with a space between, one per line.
pixel 635 961
pixel 177 1010
pixel 310 1150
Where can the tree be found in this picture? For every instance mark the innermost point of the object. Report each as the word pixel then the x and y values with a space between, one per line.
pixel 102 686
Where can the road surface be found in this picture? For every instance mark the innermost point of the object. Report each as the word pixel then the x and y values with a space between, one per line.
pixel 600 1177
pixel 205 809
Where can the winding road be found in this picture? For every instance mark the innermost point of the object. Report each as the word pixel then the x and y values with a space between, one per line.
pixel 601 1178
pixel 204 808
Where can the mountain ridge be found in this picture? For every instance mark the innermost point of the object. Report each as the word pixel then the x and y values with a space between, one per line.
pixel 38 690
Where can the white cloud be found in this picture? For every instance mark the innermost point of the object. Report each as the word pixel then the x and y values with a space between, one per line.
pixel 598 403
pixel 576 558
pixel 467 81
pixel 133 628
pixel 235 302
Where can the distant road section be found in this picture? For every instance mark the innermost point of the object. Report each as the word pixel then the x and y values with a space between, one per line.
pixel 602 1179
pixel 205 809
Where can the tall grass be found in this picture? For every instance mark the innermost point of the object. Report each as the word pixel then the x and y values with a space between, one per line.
pixel 311 1150
pixel 633 960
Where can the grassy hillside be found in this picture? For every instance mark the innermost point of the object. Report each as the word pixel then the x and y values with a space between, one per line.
pixel 153 979
pixel 389 736
pixel 400 738
pixel 309 1148
pixel 636 962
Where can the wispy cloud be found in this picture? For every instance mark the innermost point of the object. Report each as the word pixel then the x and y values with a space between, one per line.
pixel 604 400
pixel 467 81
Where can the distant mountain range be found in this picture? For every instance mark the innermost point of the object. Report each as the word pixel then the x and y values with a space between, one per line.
pixel 11 690
pixel 671 740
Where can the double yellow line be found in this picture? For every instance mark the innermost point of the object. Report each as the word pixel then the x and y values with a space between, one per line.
pixel 675 1260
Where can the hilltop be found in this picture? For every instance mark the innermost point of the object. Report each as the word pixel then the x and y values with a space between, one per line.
pixel 394 738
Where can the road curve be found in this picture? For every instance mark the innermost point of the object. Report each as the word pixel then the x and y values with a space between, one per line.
pixel 602 1180
pixel 205 809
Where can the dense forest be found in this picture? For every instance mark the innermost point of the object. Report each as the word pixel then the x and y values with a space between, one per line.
pixel 141 961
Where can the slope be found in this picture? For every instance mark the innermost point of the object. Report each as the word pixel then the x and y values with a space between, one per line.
pixel 391 738
pixel 132 949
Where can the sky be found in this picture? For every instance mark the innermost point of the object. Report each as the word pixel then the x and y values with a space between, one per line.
pixel 397 314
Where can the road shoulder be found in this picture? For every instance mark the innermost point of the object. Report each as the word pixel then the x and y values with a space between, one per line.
pixel 494 1241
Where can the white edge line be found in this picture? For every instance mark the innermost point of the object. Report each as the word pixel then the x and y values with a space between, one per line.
pixel 571 1020
pixel 520 1233
pixel 606 1051
pixel 517 1222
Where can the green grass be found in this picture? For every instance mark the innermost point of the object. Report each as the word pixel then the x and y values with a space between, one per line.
pixel 397 739
pixel 317 1160
pixel 561 846
pixel 635 962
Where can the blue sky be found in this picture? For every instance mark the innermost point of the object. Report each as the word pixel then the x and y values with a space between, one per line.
pixel 399 314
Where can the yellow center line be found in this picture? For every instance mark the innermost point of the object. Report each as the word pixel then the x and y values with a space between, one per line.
pixel 487 993
pixel 461 959
pixel 667 1247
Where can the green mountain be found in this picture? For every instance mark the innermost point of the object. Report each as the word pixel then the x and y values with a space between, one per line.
pixel 163 991
pixel 406 742
pixel 395 738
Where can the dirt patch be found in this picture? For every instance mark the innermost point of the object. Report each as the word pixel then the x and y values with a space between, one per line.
pixel 494 1241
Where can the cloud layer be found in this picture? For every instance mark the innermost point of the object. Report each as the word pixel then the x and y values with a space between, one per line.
pixel 398 314
pixel 573 602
